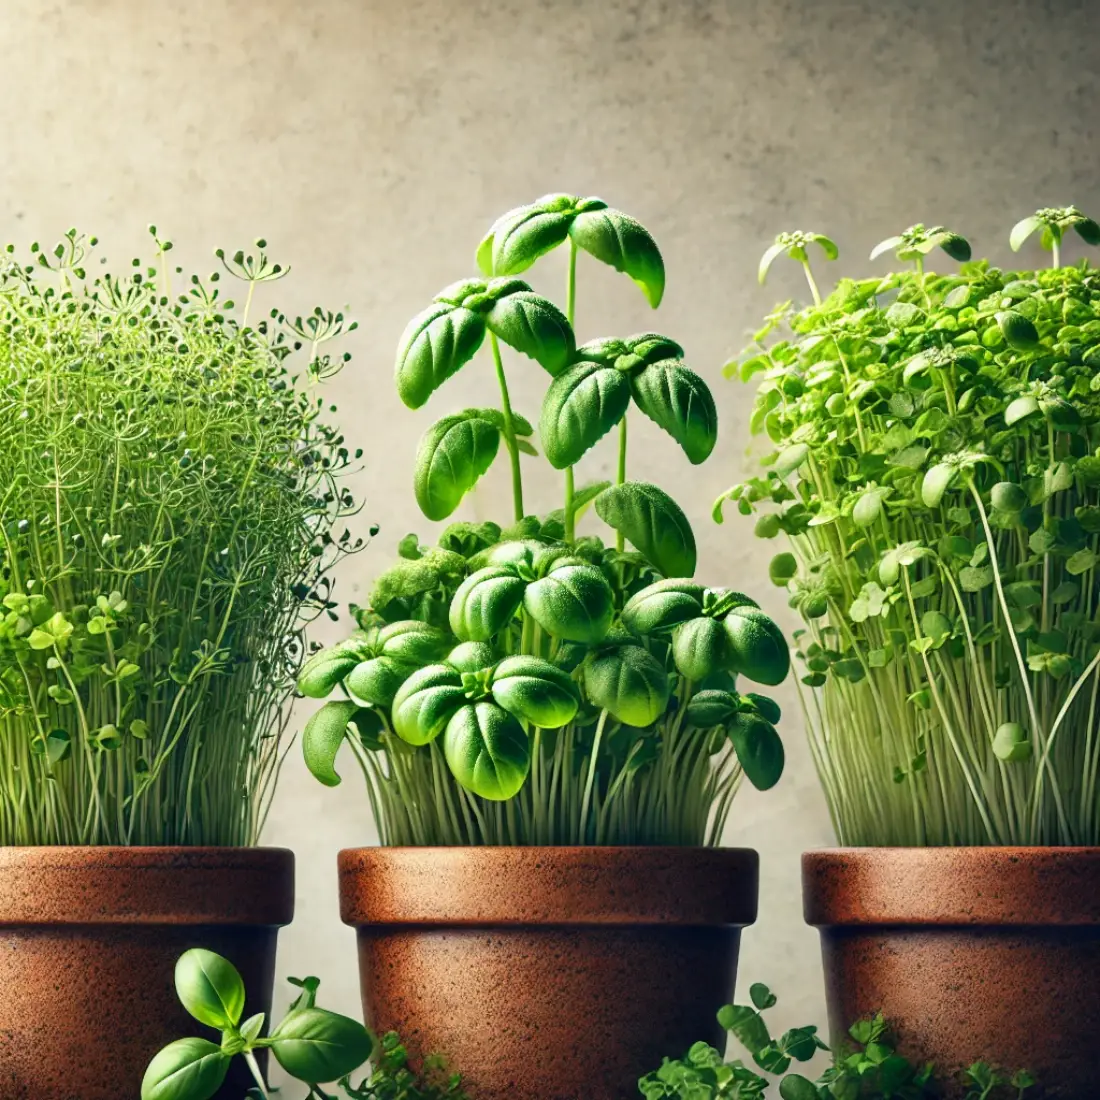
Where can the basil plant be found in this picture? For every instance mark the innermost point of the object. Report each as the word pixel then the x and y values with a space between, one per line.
pixel 521 683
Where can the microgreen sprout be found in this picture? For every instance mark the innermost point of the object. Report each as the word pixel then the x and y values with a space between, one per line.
pixel 1051 224
pixel 934 464
pixel 172 505
pixel 796 246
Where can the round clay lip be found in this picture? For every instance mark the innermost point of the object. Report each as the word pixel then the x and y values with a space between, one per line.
pixel 547 885
pixel 1009 886
pixel 73 885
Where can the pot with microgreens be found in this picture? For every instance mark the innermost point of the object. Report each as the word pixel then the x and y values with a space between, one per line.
pixel 551 724
pixel 172 505
pixel 933 466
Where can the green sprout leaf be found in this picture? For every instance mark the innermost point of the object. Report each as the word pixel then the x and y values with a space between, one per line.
pixel 759 749
pixel 680 402
pixel 535 691
pixel 534 326
pixel 487 750
pixel 1011 743
pixel 321 741
pixel 573 601
pixel 314 1045
pixel 188 1069
pixel 759 649
pixel 437 343
pixel 454 453
pixel 700 647
pixel 210 988
pixel 425 703
pixel 618 240
pixel 654 523
pixel 581 406
pixel 663 605
pixel 486 602
pixel 629 683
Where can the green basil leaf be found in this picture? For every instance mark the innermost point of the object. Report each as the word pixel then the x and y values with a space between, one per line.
pixel 486 602
pixel 522 236
pixel 618 240
pixel 759 649
pixel 629 683
pixel 487 751
pixel 679 401
pixel 653 522
pixel 572 602
pixel 425 702
pixel 581 406
pixel 210 988
pixel 536 691
pixel 325 669
pixel 765 707
pixel 1011 743
pixel 796 1087
pixel 1088 231
pixel 188 1069
pixel 436 344
pixel 1017 330
pixel 663 605
pixel 1019 408
pixel 759 749
pixel 452 456
pixel 375 682
pixel 472 657
pixel 412 642
pixel 700 647
pixel 321 741
pixel 710 708
pixel 314 1045
pixel 534 326
pixel 1022 230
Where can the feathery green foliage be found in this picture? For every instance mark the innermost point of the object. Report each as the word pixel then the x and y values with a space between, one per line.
pixel 169 491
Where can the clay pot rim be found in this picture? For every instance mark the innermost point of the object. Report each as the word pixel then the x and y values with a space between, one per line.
pixel 113 884
pixel 1013 886
pixel 532 885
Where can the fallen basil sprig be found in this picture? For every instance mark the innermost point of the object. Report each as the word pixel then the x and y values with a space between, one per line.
pixel 312 1044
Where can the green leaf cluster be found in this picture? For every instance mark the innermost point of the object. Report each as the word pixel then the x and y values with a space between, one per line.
pixel 867 1067
pixel 311 1044
pixel 173 502
pixel 503 686
pixel 933 464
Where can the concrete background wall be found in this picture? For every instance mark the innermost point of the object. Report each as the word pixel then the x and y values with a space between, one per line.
pixel 372 142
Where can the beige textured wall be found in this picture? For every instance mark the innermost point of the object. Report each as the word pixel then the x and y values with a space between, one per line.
pixel 372 142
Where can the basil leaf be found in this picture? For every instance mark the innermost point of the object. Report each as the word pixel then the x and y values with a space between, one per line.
pixel 618 240
pixel 487 751
pixel 188 1069
pixel 629 683
pixel 663 605
pixel 315 1045
pixel 452 456
pixel 321 741
pixel 759 749
pixel 536 691
pixel 210 988
pixel 572 602
pixel 425 702
pixel 534 326
pixel 486 602
pixel 436 344
pixel 653 522
pixel 581 406
pixel 679 401
pixel 759 649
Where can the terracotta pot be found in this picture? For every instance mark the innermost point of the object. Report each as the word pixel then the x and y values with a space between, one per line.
pixel 89 939
pixel 548 973
pixel 972 953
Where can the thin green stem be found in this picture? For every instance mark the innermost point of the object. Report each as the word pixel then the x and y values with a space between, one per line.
pixel 509 430
pixel 570 314
pixel 620 475
pixel 812 282
pixel 254 1069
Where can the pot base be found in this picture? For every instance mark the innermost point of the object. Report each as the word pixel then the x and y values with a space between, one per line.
pixel 548 973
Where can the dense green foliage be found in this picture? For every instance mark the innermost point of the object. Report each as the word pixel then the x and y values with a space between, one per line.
pixel 168 497
pixel 936 470
pixel 867 1068
pixel 311 1044
pixel 522 684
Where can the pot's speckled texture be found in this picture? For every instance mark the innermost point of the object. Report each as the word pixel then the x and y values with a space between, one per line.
pixel 972 953
pixel 89 939
pixel 548 973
